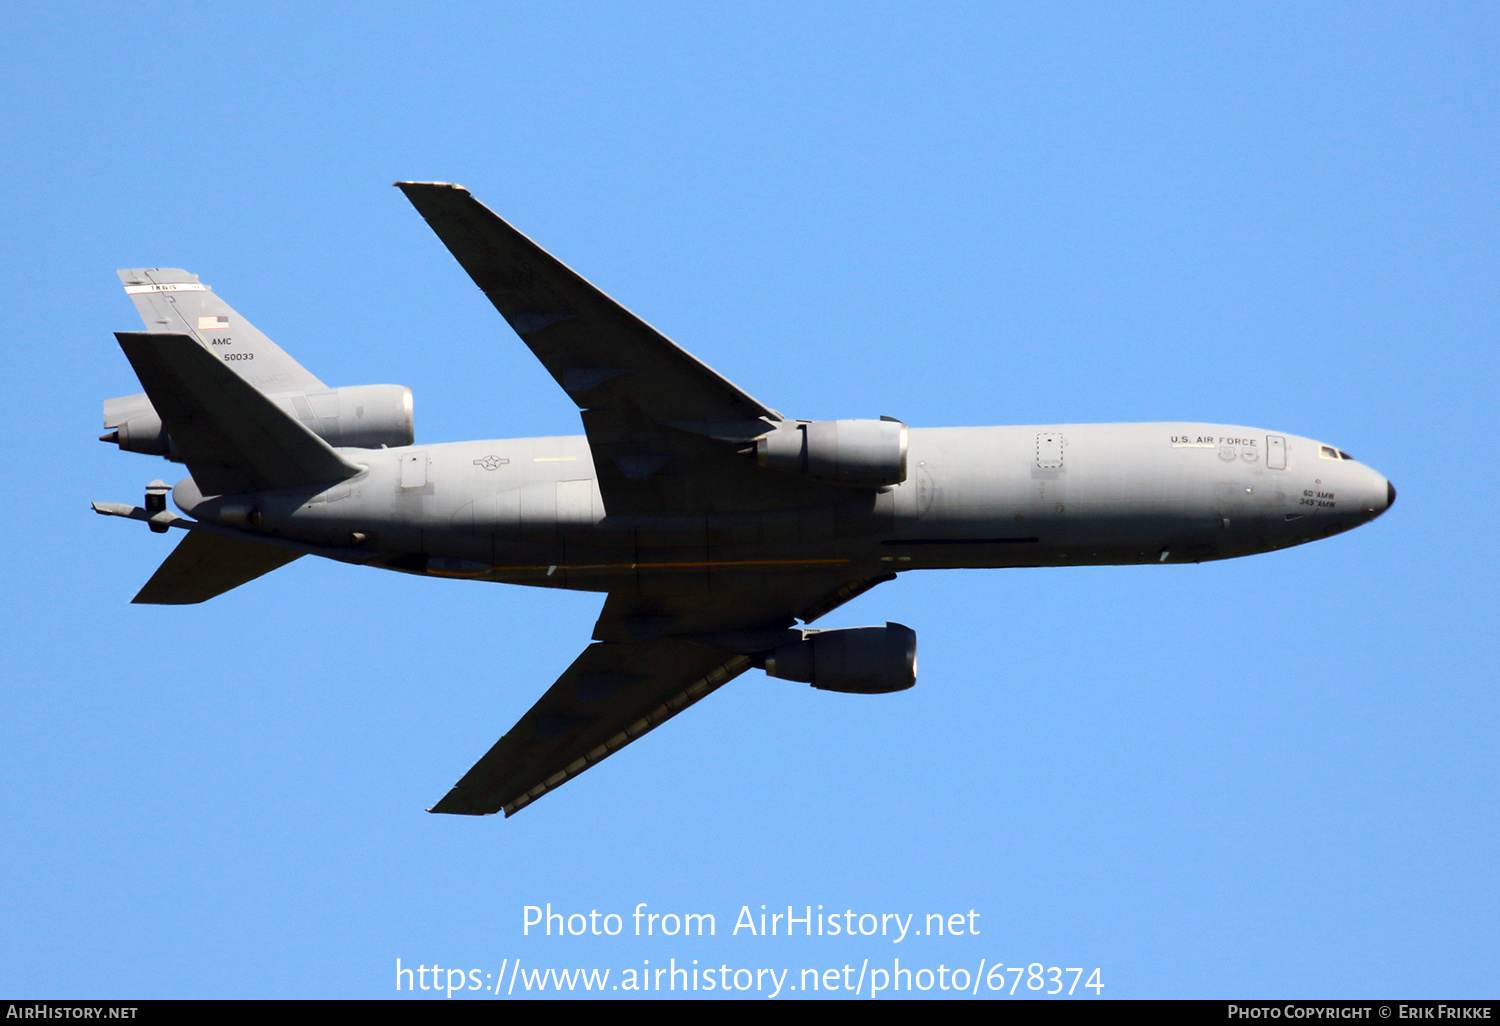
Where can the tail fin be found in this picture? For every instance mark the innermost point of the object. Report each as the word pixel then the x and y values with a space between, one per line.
pixel 171 300
pixel 204 565
pixel 231 437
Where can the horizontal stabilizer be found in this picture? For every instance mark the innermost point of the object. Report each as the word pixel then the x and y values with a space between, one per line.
pixel 204 565
pixel 229 434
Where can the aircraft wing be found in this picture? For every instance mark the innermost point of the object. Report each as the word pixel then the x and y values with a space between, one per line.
pixel 657 655
pixel 602 355
pixel 664 428
pixel 611 695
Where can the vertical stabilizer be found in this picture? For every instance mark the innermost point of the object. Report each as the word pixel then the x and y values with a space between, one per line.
pixel 171 300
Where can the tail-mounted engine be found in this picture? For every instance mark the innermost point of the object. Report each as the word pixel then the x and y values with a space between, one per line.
pixel 859 661
pixel 858 453
pixel 358 417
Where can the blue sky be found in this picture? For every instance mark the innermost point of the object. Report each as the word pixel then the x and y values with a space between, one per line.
pixel 1274 776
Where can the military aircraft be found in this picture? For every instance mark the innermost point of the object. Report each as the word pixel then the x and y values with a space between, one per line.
pixel 712 523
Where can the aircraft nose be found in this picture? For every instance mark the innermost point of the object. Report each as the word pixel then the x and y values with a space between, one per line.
pixel 1377 493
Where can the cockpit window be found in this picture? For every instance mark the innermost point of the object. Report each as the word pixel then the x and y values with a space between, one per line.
pixel 1345 455
pixel 1329 453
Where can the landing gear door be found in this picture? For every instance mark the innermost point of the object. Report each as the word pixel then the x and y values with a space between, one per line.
pixel 1275 452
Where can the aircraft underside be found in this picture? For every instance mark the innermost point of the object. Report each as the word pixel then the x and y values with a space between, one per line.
pixel 717 528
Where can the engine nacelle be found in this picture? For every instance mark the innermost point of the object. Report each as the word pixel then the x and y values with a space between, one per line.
pixel 858 661
pixel 131 423
pixel 357 417
pixel 858 453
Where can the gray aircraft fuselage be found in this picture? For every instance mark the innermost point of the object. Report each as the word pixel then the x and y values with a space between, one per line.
pixel 718 528
pixel 529 511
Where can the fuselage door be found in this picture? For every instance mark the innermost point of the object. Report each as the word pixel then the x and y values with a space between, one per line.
pixel 1049 450
pixel 1275 452
pixel 414 470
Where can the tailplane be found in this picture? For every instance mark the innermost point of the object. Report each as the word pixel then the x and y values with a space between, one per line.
pixel 231 436
pixel 204 565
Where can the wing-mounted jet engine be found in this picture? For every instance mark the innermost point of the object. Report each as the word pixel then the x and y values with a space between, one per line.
pixel 857 453
pixel 717 528
pixel 856 661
